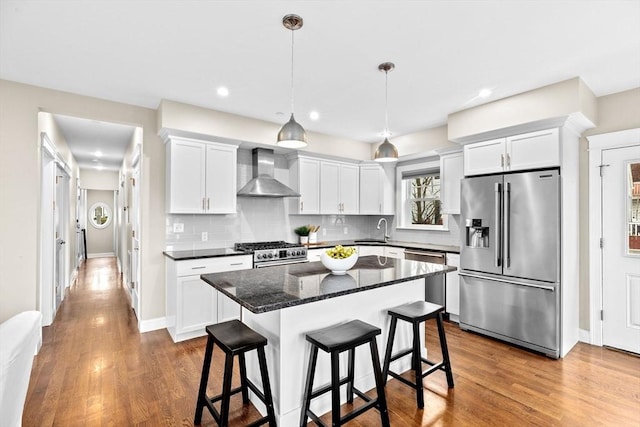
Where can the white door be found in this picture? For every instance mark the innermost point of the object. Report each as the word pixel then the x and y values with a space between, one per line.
pixel 621 248
pixel 135 240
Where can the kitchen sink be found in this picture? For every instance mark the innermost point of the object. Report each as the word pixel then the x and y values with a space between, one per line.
pixel 369 241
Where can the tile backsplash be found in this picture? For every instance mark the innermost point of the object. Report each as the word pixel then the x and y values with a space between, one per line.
pixel 265 219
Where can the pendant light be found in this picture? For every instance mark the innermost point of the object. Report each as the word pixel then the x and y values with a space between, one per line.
pixel 386 152
pixel 292 134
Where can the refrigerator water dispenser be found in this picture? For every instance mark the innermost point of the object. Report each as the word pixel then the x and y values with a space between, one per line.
pixel 477 236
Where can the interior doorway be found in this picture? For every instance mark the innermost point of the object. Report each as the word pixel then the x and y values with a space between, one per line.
pixel 614 180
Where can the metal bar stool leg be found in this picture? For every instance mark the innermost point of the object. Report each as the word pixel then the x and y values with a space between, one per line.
pixel 204 379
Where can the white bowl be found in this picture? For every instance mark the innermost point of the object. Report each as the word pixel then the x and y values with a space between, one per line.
pixel 338 266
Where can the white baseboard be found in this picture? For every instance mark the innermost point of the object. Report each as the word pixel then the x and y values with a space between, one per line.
pixel 152 324
pixel 102 255
pixel 584 336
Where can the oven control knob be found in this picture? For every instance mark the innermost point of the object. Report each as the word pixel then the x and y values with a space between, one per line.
pixel 258 256
pixel 270 255
pixel 299 253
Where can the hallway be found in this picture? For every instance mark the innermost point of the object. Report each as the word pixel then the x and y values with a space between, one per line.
pixel 95 369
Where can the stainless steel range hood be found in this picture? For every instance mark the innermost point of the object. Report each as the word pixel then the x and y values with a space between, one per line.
pixel 263 183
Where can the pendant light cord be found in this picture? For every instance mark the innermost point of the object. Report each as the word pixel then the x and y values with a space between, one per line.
pixel 386 104
pixel 292 41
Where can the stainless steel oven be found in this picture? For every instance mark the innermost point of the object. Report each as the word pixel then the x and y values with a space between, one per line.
pixel 268 254
pixel 434 294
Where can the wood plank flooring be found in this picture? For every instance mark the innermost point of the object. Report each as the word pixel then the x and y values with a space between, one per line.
pixel 95 369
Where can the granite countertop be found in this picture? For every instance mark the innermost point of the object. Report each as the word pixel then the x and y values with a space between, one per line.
pixel 273 288
pixel 394 243
pixel 201 253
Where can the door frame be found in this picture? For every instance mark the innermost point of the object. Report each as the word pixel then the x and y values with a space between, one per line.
pixel 598 143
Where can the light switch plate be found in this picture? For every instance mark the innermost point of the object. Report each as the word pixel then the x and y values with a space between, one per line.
pixel 178 227
pixel 205 236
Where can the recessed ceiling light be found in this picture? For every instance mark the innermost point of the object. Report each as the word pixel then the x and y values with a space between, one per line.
pixel 223 91
pixel 314 115
pixel 98 153
pixel 95 160
pixel 484 93
pixel 99 167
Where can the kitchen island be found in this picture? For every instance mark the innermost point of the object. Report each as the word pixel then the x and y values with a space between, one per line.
pixel 283 303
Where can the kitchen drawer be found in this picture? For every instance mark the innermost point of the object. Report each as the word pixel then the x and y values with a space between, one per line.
pixel 213 265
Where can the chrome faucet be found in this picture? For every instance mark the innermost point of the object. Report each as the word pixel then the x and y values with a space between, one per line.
pixel 386 235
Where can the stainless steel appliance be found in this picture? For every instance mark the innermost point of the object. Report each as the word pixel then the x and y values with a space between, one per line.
pixel 263 184
pixel 434 294
pixel 266 254
pixel 510 258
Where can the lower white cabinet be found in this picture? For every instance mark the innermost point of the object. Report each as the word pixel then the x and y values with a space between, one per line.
pixel 313 255
pixel 453 287
pixel 394 252
pixel 370 250
pixel 192 304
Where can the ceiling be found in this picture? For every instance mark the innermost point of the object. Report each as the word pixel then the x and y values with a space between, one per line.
pixel 140 52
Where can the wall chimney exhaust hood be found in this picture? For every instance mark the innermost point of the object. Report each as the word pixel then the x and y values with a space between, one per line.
pixel 263 183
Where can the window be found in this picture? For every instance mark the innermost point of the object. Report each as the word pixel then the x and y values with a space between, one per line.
pixel 419 192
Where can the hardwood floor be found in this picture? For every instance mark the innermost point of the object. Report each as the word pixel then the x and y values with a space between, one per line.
pixel 95 369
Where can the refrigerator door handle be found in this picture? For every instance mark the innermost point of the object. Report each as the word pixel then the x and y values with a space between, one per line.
pixel 511 282
pixel 507 225
pixel 498 221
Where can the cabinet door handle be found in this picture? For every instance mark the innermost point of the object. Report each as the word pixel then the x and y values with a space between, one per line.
pixel 197 268
pixel 236 263
pixel 380 207
pixel 301 205
pixel 203 208
pixel 501 160
pixel 207 203
pixel 508 160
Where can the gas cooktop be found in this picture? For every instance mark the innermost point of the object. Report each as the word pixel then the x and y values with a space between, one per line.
pixel 273 253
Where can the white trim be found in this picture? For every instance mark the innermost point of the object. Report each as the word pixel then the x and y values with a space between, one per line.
pixel 101 255
pixel 598 143
pixel 584 336
pixel 152 324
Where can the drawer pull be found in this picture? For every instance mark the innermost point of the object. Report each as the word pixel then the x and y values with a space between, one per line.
pixel 197 268
pixel 236 263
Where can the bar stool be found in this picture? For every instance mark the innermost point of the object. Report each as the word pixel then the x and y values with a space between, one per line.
pixel 416 313
pixel 234 338
pixel 335 340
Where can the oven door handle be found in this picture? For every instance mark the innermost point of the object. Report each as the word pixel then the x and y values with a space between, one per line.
pixel 275 263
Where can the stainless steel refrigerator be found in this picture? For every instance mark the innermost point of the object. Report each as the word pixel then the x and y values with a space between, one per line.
pixel 510 258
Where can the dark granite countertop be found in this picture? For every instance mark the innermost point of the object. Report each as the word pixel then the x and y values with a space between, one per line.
pixel 394 243
pixel 201 253
pixel 273 288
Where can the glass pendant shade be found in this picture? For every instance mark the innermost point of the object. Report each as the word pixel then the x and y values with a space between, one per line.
pixel 292 135
pixel 386 152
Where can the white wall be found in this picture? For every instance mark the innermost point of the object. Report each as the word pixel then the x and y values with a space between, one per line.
pixel 98 180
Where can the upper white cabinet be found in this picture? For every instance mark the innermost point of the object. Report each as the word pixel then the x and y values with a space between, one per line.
pixel 376 190
pixel 201 176
pixel 527 151
pixel 451 172
pixel 339 188
pixel 304 176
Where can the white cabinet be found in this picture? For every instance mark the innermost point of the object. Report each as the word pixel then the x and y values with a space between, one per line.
pixel 304 174
pixel 453 287
pixel 313 255
pixel 376 190
pixel 394 252
pixel 451 172
pixel 192 304
pixel 200 176
pixel 519 152
pixel 339 188
pixel 370 250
